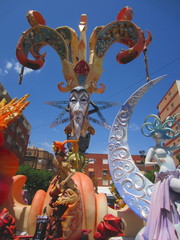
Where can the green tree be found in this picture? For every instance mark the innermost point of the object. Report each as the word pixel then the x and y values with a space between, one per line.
pixel 36 179
pixel 178 157
pixel 150 175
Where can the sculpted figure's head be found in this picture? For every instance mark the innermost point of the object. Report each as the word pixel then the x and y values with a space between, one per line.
pixel 158 137
pixel 78 108
pixel 161 131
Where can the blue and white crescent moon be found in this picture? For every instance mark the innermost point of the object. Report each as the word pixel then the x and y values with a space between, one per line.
pixel 132 186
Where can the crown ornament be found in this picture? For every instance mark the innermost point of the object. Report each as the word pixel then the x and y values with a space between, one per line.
pixel 76 69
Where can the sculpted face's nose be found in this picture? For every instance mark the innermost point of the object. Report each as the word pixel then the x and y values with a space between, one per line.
pixel 77 106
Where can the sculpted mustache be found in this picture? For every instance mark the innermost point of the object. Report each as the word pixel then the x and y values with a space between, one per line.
pixel 77 127
pixel 77 115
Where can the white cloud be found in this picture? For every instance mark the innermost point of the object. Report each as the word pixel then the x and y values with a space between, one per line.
pixel 105 151
pixel 133 127
pixel 17 68
pixel 4 71
pixel 55 130
pixel 47 146
pixel 9 65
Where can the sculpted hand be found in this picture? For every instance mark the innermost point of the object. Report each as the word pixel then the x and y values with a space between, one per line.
pixel 60 185
pixel 161 160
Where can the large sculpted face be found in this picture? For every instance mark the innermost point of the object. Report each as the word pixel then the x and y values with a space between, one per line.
pixel 78 105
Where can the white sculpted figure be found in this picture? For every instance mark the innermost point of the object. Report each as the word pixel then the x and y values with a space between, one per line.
pixel 164 217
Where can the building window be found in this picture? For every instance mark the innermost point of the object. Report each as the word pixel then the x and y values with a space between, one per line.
pixel 91 172
pixel 91 160
pixel 12 126
pixel 22 137
pixel 21 119
pixel 138 161
pixel 91 169
pixel 26 124
pixel 19 131
pixel 170 93
pixel 105 173
pixel 28 153
pixel 172 105
pixel 20 148
pixel 16 146
pixel 105 161
pixel 105 182
pixel 9 139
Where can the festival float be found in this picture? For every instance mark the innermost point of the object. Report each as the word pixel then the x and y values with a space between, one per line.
pixel 70 209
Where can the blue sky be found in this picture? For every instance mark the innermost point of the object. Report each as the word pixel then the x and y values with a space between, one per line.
pixel 160 17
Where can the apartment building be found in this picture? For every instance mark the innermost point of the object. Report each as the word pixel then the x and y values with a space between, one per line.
pixel 17 134
pixel 98 170
pixel 39 158
pixel 169 106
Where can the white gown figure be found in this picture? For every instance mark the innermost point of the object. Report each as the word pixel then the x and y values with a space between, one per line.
pixel 164 217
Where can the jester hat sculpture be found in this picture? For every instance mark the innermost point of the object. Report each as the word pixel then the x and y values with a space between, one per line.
pixel 77 72
pixel 72 51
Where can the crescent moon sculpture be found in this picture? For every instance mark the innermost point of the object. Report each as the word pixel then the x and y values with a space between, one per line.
pixel 131 184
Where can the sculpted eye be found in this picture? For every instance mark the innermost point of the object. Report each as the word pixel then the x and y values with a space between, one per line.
pixel 83 100
pixel 73 100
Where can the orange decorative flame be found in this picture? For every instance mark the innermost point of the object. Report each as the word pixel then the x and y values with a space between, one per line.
pixel 11 111
pixel 8 113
